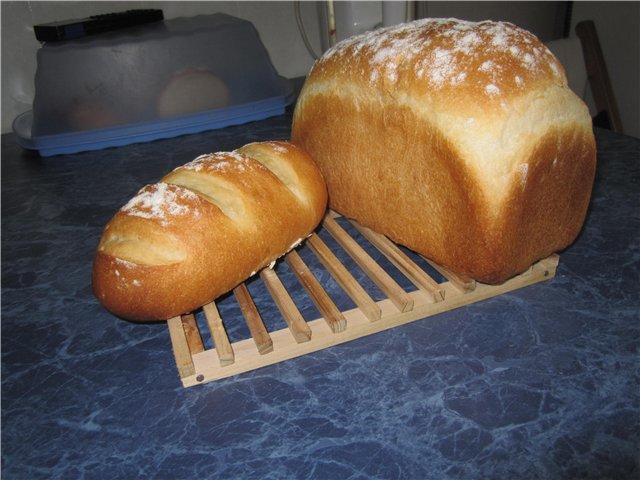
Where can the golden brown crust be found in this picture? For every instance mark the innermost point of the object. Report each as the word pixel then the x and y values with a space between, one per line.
pixel 483 164
pixel 203 229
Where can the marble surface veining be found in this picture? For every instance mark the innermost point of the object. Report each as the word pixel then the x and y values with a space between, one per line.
pixel 541 383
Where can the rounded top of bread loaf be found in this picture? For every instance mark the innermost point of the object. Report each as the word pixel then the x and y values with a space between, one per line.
pixel 446 59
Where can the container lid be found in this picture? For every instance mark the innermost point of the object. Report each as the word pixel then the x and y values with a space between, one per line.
pixel 65 143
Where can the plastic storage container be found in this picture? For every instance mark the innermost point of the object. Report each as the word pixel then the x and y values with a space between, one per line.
pixel 170 78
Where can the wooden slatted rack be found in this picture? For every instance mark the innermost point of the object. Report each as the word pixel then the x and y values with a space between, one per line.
pixel 198 364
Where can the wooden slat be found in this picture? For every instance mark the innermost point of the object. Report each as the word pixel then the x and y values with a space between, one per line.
pixel 528 271
pixel 460 282
pixel 341 275
pixel 550 264
pixel 219 334
pixel 285 347
pixel 254 320
pixel 396 256
pixel 382 279
pixel 181 352
pixel 331 313
pixel 229 359
pixel 192 333
pixel 292 316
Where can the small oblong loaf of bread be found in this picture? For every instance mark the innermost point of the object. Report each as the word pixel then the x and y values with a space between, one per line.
pixel 206 227
pixel 460 140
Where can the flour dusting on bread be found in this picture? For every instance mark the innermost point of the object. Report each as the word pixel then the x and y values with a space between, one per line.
pixel 445 52
pixel 160 201
pixel 220 161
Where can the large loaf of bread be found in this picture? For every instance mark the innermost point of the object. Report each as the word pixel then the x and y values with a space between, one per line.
pixel 460 140
pixel 206 227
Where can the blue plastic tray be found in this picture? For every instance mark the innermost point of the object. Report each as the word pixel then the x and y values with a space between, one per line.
pixel 48 145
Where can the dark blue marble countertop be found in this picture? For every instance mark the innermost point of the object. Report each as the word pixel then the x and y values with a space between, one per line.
pixel 541 383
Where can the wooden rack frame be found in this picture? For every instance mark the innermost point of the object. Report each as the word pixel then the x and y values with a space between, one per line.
pixel 197 364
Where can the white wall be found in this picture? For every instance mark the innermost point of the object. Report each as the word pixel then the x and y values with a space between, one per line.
pixel 617 24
